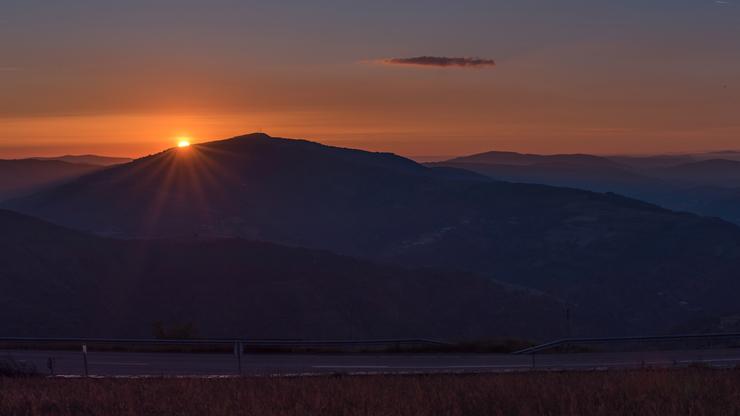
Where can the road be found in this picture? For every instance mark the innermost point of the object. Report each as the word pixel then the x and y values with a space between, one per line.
pixel 104 363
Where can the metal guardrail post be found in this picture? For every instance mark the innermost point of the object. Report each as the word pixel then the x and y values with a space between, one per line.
pixel 84 359
pixel 50 365
pixel 238 351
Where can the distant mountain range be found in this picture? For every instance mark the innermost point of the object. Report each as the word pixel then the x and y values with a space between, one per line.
pixel 621 265
pixel 58 282
pixel 699 183
pixel 714 172
pixel 89 159
pixel 19 177
pixel 25 176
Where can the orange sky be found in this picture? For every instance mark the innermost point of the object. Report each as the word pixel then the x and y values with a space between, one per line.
pixel 581 77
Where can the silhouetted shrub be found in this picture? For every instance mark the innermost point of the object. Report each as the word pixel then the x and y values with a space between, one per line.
pixel 10 367
pixel 175 331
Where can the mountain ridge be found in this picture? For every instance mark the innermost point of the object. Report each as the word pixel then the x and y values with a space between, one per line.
pixel 624 265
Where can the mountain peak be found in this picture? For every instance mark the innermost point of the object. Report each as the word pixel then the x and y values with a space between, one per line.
pixel 252 136
pixel 256 137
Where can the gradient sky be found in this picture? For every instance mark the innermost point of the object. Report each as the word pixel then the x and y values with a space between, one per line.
pixel 128 77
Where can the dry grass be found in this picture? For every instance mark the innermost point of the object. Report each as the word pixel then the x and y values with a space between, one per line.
pixel 651 392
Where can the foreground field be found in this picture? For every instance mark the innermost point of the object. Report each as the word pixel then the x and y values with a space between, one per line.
pixel 693 391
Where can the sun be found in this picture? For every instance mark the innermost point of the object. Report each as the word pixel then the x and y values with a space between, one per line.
pixel 183 142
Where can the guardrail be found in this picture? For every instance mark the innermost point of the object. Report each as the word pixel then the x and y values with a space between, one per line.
pixel 203 345
pixel 245 342
pixel 69 356
pixel 616 340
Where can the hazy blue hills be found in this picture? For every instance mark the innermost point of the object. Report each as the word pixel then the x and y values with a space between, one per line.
pixel 622 265
pixel 714 172
pixel 525 159
pixel 699 183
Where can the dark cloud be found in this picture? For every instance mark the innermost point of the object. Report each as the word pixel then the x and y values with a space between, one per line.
pixel 442 61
